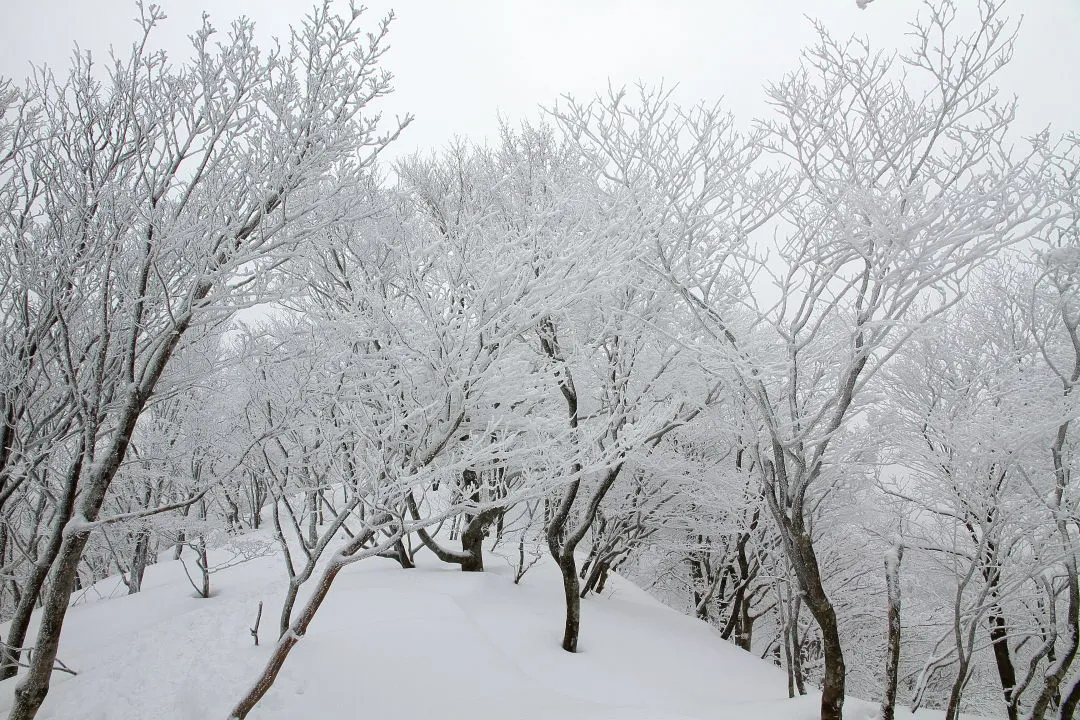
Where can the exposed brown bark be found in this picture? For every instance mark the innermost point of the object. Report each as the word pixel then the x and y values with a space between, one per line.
pixel 297 579
pixel 999 637
pixel 788 658
pixel 572 596
pixel 952 709
pixel 31 691
pixel 596 578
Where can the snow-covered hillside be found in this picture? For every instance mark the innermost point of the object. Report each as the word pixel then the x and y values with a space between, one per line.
pixel 432 642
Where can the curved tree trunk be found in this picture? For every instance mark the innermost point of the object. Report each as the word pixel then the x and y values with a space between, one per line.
pixel 804 562
pixel 471 555
pixel 562 546
pixel 472 539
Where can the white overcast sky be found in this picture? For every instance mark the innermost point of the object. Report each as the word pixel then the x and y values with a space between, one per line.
pixel 458 64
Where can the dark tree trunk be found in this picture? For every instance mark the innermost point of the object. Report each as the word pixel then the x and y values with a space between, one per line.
pixel 789 657
pixel 472 539
pixel 31 691
pixel 20 621
pixel 403 556
pixel 285 620
pixel 698 579
pixel 605 573
pixel 562 549
pixel 952 710
pixel 744 627
pixel 805 564
pixel 892 659
pixel 571 592
pixel 312 502
pixel 138 562
pixel 178 548
pixel 789 513
pixel 471 556
pixel 1003 659
pixel 1055 674
pixel 597 577
pixel 285 644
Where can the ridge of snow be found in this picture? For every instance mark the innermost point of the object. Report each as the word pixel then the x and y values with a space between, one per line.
pixel 429 642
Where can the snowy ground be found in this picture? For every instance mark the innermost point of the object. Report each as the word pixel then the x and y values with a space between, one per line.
pixel 390 643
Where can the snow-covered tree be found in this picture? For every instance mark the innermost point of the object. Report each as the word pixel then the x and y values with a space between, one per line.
pixel 897 194
pixel 150 201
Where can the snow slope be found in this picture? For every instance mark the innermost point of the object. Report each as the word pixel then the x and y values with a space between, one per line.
pixel 390 643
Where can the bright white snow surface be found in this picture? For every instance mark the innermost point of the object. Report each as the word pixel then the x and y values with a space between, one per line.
pixel 432 642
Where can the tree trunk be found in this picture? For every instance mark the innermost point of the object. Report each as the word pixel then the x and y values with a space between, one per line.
pixel 699 580
pixel 138 562
pixel 804 562
pixel 1068 705
pixel 790 657
pixel 1055 674
pixel 597 576
pixel 20 621
pixel 403 557
pixel 472 540
pixel 796 645
pixel 952 711
pixel 892 659
pixel 30 692
pixel 285 620
pixel 203 563
pixel 178 547
pixel 605 573
pixel 471 556
pixel 562 546
pixel 1003 659
pixel 312 501
pixel 571 592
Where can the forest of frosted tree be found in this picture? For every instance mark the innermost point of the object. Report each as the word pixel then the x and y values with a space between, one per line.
pixel 807 377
